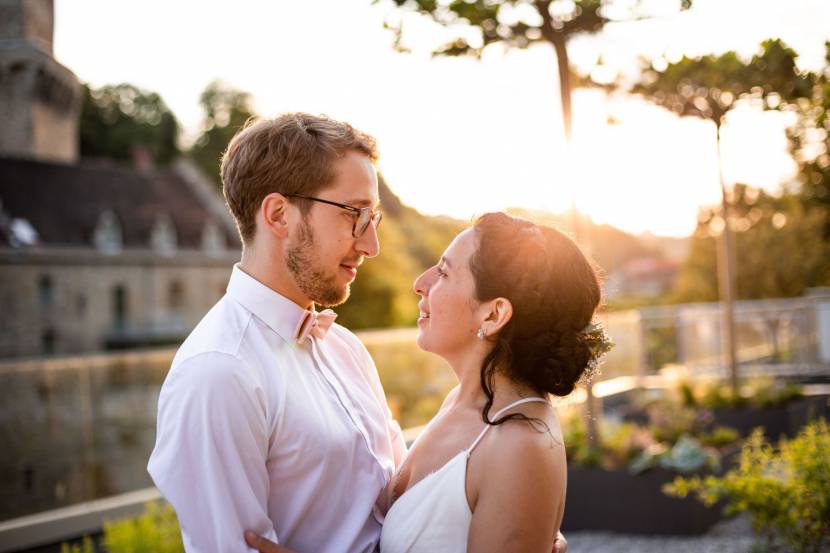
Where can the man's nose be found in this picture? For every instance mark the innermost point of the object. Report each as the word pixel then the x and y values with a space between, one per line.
pixel 369 243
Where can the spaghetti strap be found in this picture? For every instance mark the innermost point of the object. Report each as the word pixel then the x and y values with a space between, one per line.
pixel 498 414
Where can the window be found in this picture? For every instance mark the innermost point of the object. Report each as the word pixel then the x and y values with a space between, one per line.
pixel 45 292
pixel 175 296
pixel 119 307
pixel 47 341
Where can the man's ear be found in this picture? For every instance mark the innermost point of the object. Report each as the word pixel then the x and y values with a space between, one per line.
pixel 273 212
pixel 498 313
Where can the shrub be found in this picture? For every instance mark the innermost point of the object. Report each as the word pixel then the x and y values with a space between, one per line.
pixel 720 436
pixel 155 531
pixel 786 491
pixel 685 456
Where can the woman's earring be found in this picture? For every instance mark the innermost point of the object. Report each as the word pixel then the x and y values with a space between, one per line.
pixel 480 334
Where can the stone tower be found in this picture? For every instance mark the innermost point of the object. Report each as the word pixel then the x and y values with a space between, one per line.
pixel 40 99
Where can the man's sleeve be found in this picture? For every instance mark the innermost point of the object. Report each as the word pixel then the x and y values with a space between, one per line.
pixel 209 461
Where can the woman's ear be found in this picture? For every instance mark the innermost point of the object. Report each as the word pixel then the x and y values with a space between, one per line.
pixel 498 313
pixel 273 214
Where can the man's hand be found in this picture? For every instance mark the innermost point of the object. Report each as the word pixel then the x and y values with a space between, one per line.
pixel 267 546
pixel 560 544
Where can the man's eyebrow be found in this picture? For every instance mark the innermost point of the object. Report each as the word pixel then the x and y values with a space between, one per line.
pixel 446 261
pixel 362 202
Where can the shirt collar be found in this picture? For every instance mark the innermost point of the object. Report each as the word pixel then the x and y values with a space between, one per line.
pixel 280 313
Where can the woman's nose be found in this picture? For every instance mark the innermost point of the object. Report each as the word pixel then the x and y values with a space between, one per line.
pixel 421 285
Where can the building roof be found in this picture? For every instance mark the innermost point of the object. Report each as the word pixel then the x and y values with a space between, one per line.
pixel 63 203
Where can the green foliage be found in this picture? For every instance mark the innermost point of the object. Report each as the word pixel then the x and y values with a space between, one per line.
pixel 661 346
pixel 720 436
pixel 708 86
pixel 687 455
pixel 718 395
pixel 786 491
pixel 116 119
pixel 155 531
pixel 766 229
pixel 488 21
pixel 668 421
pixel 382 294
pixel 86 546
pixel 810 144
pixel 759 392
pixel 415 382
pixel 226 111
pixel 578 447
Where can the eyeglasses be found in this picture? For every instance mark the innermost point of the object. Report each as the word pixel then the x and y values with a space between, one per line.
pixel 362 215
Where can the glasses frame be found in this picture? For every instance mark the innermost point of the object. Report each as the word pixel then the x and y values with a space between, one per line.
pixel 363 216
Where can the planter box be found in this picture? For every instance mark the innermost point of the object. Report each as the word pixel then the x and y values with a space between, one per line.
pixel 786 420
pixel 618 501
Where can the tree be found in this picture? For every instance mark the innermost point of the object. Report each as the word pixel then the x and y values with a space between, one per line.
pixel 226 111
pixel 519 24
pixel 708 87
pixel 810 144
pixel 118 119
pixel 767 229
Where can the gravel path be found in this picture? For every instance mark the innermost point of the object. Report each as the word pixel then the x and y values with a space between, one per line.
pixel 730 536
pixel 590 542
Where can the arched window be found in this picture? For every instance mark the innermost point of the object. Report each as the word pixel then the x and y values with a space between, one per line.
pixel 107 235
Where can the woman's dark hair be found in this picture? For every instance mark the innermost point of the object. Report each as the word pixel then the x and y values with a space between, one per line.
pixel 554 290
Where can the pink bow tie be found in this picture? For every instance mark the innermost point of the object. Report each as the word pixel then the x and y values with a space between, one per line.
pixel 314 324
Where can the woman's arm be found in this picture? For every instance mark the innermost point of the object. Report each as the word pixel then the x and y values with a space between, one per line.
pixel 520 492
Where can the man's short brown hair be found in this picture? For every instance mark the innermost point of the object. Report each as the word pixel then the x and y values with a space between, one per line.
pixel 290 154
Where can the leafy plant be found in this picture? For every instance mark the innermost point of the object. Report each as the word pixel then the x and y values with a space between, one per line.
pixel 720 436
pixel 155 531
pixel 578 447
pixel 86 546
pixel 686 456
pixel 786 491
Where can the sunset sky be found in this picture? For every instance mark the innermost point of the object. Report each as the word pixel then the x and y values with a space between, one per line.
pixel 461 136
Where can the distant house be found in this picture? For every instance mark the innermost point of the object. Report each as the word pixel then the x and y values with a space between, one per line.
pixel 642 277
pixel 98 257
pixel 92 255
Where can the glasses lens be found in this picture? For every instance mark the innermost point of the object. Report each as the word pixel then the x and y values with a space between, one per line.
pixel 366 216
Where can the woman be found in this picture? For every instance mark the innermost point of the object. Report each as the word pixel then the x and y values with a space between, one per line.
pixel 509 307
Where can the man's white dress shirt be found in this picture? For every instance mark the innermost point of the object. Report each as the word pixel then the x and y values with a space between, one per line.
pixel 257 432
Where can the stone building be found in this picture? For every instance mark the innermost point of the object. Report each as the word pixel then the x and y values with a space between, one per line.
pixel 92 255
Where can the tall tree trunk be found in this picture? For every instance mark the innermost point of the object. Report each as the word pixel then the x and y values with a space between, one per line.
pixel 559 41
pixel 726 280
pixel 559 46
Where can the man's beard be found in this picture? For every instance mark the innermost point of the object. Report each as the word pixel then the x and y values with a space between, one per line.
pixel 311 279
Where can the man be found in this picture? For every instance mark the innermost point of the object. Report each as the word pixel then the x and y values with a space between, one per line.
pixel 266 421
pixel 272 419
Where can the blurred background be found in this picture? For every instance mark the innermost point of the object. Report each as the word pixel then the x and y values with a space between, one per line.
pixel 683 144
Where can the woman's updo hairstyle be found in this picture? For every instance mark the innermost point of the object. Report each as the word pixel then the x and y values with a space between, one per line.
pixel 554 291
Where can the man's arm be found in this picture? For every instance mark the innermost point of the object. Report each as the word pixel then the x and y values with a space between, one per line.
pixel 211 449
